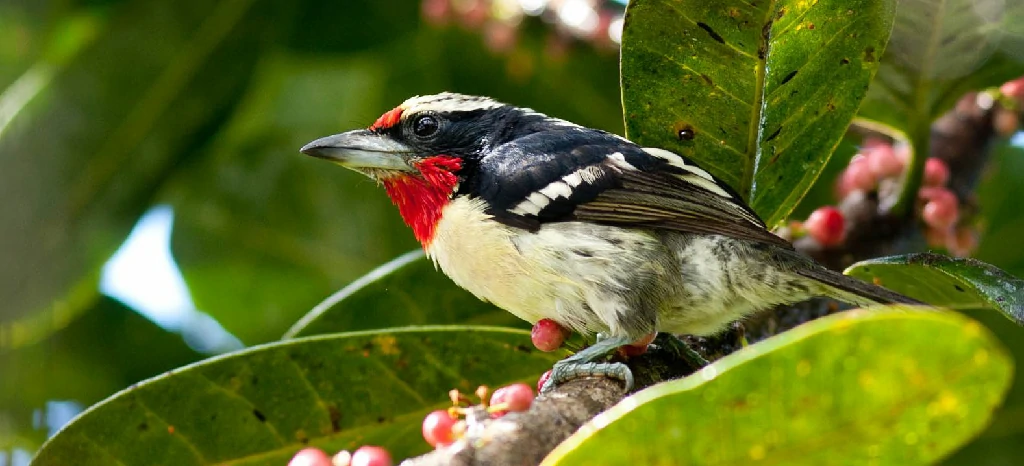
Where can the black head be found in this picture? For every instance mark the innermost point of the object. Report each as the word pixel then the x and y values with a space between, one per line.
pixel 446 124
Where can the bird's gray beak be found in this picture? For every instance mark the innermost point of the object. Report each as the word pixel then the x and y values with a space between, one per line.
pixel 361 150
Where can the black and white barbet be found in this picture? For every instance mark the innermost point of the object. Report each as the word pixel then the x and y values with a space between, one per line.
pixel 548 219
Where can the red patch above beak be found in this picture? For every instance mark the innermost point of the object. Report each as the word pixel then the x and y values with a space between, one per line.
pixel 388 119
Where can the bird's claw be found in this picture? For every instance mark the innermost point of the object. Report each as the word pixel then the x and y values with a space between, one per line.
pixel 565 371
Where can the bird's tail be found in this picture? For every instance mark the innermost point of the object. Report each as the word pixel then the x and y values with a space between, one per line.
pixel 839 286
pixel 852 290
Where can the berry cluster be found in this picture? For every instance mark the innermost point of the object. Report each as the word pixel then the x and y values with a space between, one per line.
pixel 880 166
pixel 364 456
pixel 445 426
pixel 499 20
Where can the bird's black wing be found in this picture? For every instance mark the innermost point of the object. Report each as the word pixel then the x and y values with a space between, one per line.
pixel 588 175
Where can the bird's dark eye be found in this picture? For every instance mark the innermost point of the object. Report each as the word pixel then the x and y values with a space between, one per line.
pixel 425 126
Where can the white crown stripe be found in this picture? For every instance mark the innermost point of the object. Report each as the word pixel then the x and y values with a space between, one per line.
pixel 448 102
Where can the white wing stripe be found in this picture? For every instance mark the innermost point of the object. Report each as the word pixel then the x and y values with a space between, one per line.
pixel 676 161
pixel 619 161
pixel 555 190
pixel 526 207
pixel 708 185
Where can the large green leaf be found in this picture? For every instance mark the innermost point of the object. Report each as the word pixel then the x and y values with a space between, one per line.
pixel 940 49
pixel 952 282
pixel 260 406
pixel 91 140
pixel 405 291
pixel 75 364
pixel 768 88
pixel 852 388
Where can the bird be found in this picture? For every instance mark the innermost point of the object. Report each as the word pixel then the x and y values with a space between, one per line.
pixel 548 219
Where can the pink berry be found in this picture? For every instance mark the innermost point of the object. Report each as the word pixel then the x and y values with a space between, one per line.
pixel 858 176
pixel 437 428
pixel 936 172
pixel 640 346
pixel 371 456
pixel 543 379
pixel 883 162
pixel 515 397
pixel 941 209
pixel 1013 89
pixel 310 457
pixel 826 225
pixel 548 335
pixel 902 151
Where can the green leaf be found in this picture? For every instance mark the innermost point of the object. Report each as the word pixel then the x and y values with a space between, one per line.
pixel 768 88
pixel 852 388
pixel 405 291
pixel 108 348
pixel 90 140
pixel 261 405
pixel 939 50
pixel 952 282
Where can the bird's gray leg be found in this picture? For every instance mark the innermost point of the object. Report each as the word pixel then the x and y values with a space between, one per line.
pixel 585 363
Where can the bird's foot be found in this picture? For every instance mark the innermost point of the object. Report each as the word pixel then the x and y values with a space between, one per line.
pixel 585 364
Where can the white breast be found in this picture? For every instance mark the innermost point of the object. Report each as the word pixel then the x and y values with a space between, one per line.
pixel 575 273
pixel 478 254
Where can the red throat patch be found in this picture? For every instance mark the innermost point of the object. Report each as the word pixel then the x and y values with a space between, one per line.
pixel 421 198
pixel 388 119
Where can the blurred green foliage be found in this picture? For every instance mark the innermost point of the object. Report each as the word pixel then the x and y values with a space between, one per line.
pixel 109 107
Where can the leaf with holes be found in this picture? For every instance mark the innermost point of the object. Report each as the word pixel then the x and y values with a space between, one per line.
pixel 405 291
pixel 261 405
pixel 851 388
pixel 957 283
pixel 939 50
pixel 758 93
